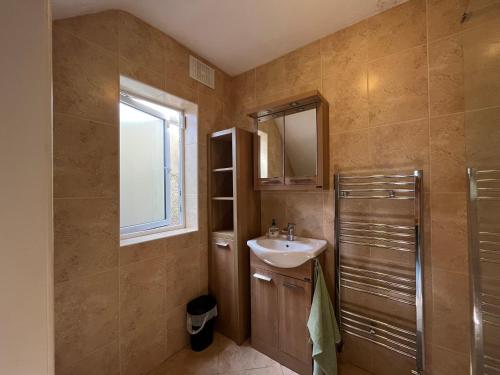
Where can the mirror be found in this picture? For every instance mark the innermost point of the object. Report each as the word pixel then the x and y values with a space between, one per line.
pixel 301 143
pixel 271 137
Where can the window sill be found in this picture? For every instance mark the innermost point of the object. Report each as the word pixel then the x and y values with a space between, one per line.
pixel 140 238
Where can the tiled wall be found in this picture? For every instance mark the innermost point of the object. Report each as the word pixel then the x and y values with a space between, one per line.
pixel 400 85
pixel 118 310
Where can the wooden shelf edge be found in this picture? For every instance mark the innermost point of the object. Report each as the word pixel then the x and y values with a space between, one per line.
pixel 228 169
pixel 223 198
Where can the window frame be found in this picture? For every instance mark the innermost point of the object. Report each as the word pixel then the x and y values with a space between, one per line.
pixel 160 225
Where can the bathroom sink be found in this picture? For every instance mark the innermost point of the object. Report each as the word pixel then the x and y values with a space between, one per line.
pixel 279 252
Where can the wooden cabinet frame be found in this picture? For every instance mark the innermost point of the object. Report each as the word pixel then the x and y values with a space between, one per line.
pixel 318 182
pixel 234 218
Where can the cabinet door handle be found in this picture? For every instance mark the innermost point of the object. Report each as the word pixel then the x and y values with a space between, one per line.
pixel 292 286
pixel 222 244
pixel 262 277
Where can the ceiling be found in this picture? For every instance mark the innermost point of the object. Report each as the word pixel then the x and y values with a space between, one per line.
pixel 237 35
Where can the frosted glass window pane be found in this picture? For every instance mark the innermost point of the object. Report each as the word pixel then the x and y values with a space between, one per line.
pixel 142 167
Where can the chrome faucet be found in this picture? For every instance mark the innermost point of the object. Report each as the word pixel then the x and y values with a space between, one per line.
pixel 290 232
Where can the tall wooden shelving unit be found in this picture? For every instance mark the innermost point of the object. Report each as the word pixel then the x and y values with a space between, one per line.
pixel 234 218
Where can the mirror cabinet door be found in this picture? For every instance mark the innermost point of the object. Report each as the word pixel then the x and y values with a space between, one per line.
pixel 270 134
pixel 301 146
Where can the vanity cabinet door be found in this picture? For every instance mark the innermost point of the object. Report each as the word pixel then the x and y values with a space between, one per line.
pixel 294 306
pixel 269 155
pixel 301 146
pixel 264 285
pixel 222 283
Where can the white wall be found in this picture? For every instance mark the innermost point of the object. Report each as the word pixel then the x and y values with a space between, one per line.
pixel 26 276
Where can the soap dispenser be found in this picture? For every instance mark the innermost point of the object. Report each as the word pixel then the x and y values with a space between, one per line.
pixel 273 231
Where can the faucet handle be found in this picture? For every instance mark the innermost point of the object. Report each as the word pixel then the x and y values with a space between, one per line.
pixel 290 225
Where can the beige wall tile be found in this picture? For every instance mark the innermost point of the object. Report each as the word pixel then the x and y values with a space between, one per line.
pixel 449 232
pixel 451 318
pixel 142 308
pixel 482 66
pixel 306 211
pixel 177 64
pixel 352 150
pixel 402 146
pixel 444 17
pixel 99 28
pixel 177 336
pixel 104 361
pixel 294 73
pixel 397 87
pixel 397 29
pixel 142 251
pixel 273 206
pixel 347 95
pixel 142 294
pixel 443 361
pixel 140 73
pixel 85 158
pixel 344 49
pixel 183 276
pixel 86 316
pixel 447 146
pixel 85 80
pixel 482 136
pixel 398 363
pixel 446 76
pixel 85 237
pixel 141 43
pixel 143 353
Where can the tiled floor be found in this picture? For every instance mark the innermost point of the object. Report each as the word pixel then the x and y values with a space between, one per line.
pixel 227 358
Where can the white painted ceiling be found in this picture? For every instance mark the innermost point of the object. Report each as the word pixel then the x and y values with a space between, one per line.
pixel 237 35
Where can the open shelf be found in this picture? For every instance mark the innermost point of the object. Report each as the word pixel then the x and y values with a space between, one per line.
pixel 221 151
pixel 222 214
pixel 222 184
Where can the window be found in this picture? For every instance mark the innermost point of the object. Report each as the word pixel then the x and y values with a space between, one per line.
pixel 151 166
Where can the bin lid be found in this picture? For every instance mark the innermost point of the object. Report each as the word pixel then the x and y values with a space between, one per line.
pixel 201 305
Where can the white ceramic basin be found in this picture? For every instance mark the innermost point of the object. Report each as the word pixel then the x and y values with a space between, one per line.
pixel 279 252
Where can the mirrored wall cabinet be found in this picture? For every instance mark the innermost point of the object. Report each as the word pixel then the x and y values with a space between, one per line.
pixel 291 144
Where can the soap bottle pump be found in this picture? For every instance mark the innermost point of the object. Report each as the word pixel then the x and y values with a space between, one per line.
pixel 273 231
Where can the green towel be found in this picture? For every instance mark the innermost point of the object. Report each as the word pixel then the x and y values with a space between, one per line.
pixel 323 328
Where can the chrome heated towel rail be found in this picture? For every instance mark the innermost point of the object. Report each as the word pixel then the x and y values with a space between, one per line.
pixel 397 287
pixel 484 259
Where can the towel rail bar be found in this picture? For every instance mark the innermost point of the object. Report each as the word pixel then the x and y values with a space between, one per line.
pixel 397 285
pixel 375 328
pixel 380 344
pixel 379 273
pixel 396 248
pixel 394 226
pixel 400 300
pixel 393 327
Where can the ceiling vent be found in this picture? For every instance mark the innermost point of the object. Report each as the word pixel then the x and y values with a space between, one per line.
pixel 201 72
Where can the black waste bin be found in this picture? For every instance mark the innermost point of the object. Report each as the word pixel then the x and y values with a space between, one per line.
pixel 200 321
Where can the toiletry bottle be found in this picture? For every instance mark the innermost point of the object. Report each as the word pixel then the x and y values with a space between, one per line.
pixel 273 231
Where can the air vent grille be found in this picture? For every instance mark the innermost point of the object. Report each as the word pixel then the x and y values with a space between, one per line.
pixel 201 72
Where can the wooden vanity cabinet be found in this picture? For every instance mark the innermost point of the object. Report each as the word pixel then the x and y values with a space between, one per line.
pixel 280 306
